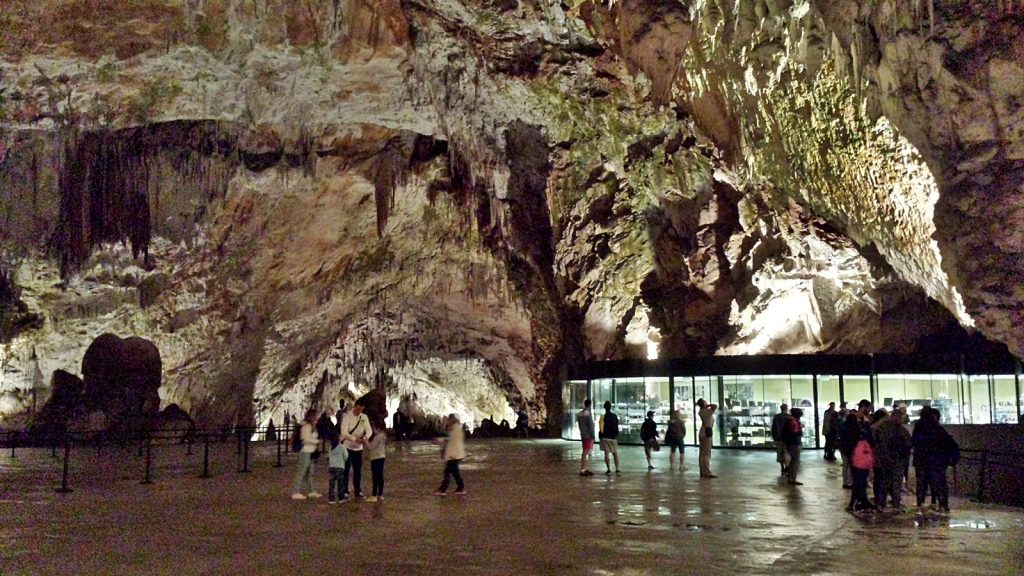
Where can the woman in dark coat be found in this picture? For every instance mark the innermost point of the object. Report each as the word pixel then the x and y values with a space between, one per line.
pixel 649 435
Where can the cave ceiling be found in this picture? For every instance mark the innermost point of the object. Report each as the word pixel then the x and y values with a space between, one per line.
pixel 460 200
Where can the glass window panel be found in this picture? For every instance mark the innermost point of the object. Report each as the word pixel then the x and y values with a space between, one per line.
pixel 918 392
pixel 855 389
pixel 946 398
pixel 630 405
pixel 803 398
pixel 684 403
pixel 977 402
pixel 603 391
pixel 742 410
pixel 1004 392
pixel 891 391
pixel 656 391
pixel 574 394
pixel 828 391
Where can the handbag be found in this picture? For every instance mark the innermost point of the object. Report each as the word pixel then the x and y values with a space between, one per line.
pixel 654 445
pixel 315 455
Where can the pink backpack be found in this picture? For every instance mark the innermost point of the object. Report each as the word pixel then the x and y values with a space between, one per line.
pixel 863 456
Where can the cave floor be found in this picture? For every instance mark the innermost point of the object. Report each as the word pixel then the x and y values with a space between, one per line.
pixel 527 512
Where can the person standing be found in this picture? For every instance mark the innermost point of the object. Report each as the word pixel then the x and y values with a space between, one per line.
pixel 303 485
pixel 934 451
pixel 890 441
pixel 335 465
pixel 585 420
pixel 707 422
pixel 453 453
pixel 830 430
pixel 355 431
pixel 793 437
pixel 376 452
pixel 608 432
pixel 849 434
pixel 649 436
pixel 674 436
pixel 779 424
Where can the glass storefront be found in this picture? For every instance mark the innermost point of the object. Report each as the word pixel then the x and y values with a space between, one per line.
pixel 747 403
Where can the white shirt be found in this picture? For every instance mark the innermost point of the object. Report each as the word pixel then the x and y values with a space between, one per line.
pixel 353 428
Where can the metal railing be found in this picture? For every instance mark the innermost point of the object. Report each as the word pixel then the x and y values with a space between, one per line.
pixel 64 445
pixel 990 476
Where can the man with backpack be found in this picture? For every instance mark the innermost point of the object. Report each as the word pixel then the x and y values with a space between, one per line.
pixel 608 433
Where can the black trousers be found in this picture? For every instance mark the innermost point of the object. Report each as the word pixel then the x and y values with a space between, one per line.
pixel 451 470
pixel 377 476
pixel 354 463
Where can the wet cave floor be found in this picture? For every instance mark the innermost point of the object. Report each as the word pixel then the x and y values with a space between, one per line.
pixel 527 512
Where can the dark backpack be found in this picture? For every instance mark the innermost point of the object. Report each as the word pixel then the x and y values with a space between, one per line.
pixel 297 438
pixel 951 450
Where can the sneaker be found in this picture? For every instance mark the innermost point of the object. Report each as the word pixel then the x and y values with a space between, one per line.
pixel 461 492
pixel 313 495
pixel 332 502
pixel 649 467
pixel 795 483
pixel 344 498
pixel 588 473
pixel 440 493
pixel 371 499
pixel 708 476
pixel 618 471
pixel 380 498
pixel 360 495
pixel 607 472
pixel 298 496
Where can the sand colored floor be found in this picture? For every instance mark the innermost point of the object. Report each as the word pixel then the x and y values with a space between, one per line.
pixel 527 512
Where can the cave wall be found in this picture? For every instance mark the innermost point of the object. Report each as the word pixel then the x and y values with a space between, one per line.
pixel 454 201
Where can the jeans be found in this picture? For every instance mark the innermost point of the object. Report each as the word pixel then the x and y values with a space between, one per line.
pixel 794 462
pixel 304 473
pixel 377 476
pixel 354 463
pixel 933 477
pixel 451 470
pixel 859 497
pixel 334 485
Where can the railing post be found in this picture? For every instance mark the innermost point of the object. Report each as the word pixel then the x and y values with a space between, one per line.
pixel 238 440
pixel 99 442
pixel 982 476
pixel 64 489
pixel 245 456
pixel 12 437
pixel 206 456
pixel 279 464
pixel 53 445
pixel 188 443
pixel 149 460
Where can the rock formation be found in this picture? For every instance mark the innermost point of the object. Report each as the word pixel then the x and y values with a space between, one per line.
pixel 455 201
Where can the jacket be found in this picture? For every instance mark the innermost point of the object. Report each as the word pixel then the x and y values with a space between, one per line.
pixel 648 430
pixel 779 424
pixel 455 445
pixel 353 428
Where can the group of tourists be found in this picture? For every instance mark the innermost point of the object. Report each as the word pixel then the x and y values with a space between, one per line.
pixel 348 438
pixel 875 446
pixel 607 432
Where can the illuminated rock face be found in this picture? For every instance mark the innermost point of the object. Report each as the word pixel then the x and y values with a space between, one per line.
pixel 455 201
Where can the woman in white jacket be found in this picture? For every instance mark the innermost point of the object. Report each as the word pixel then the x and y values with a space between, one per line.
pixel 304 472
pixel 453 453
